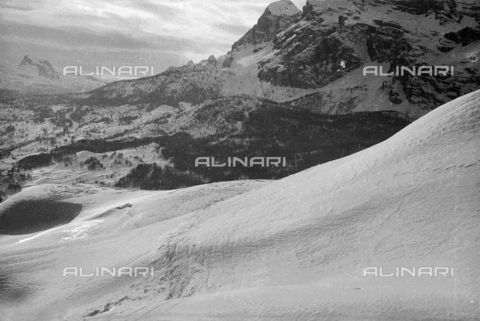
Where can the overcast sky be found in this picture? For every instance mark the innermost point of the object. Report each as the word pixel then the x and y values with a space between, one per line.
pixel 107 32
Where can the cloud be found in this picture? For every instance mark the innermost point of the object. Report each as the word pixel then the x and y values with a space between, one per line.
pixel 163 12
pixel 15 7
pixel 73 37
pixel 233 28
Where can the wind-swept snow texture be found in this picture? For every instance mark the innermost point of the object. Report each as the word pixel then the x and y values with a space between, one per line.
pixel 293 249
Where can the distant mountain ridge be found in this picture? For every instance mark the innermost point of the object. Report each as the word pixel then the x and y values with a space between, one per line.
pixel 315 58
pixel 44 67
pixel 34 76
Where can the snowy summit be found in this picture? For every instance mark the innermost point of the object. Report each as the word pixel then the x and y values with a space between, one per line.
pixel 284 7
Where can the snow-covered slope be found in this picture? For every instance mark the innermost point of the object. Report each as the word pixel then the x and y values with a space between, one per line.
pixel 294 249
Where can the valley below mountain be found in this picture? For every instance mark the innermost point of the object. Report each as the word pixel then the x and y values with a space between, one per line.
pixel 296 248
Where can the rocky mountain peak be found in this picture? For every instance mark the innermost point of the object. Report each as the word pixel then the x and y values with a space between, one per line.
pixel 26 61
pixel 283 7
pixel 44 67
pixel 212 60
pixel 277 17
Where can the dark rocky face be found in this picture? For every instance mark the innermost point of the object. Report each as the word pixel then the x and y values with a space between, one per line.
pixel 332 37
pixel 277 17
pixel 444 10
